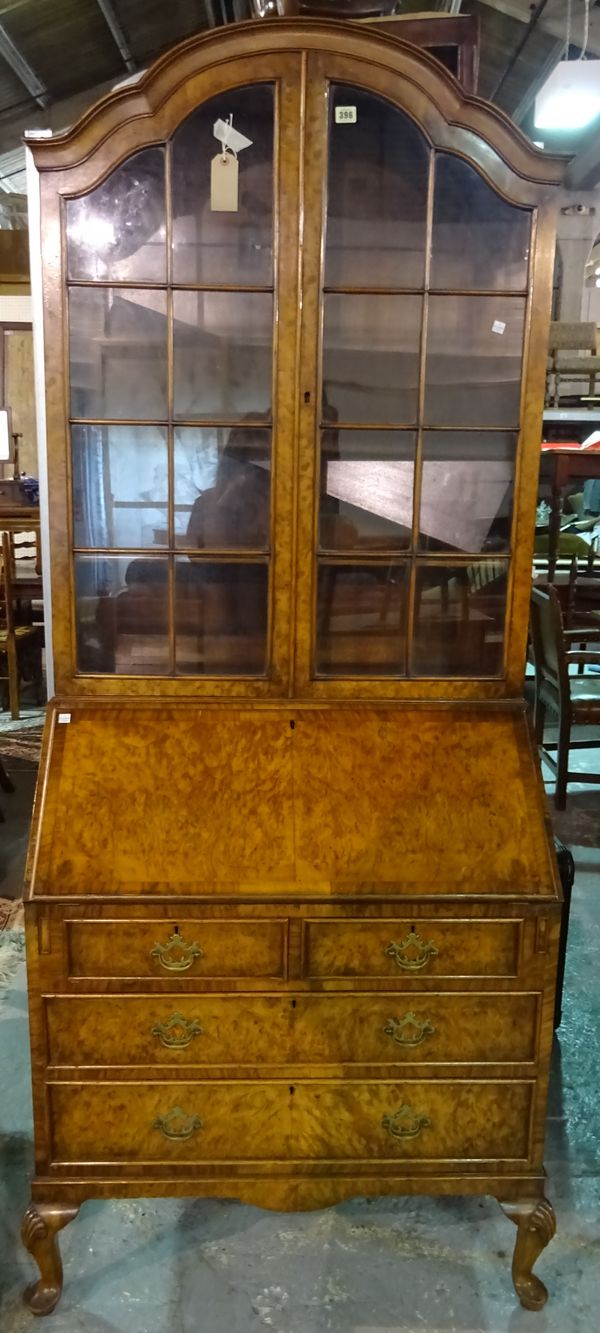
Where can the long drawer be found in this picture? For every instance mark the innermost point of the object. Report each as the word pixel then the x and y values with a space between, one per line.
pixel 192 948
pixel 291 1029
pixel 179 1122
pixel 430 948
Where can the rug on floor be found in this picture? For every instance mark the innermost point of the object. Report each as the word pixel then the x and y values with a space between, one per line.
pixel 12 952
pixel 25 743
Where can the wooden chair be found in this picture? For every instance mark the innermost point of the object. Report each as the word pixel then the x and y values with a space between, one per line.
pixel 582 605
pixel 571 338
pixel 5 785
pixel 573 700
pixel 25 546
pixel 20 645
pixel 26 577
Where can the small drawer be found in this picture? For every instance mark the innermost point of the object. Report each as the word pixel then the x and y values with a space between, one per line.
pixel 316 1030
pixel 435 1120
pixel 411 951
pixel 168 1029
pixel 191 948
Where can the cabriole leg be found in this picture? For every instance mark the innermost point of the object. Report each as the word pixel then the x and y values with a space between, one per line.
pixel 536 1225
pixel 41 1223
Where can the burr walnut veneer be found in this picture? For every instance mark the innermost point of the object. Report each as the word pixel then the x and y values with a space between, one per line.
pixel 292 907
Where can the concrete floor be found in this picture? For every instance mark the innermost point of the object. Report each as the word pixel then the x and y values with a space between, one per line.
pixel 380 1266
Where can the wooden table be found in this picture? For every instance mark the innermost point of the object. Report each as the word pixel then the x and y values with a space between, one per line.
pixel 559 467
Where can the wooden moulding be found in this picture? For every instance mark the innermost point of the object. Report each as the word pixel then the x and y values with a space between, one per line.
pixel 152 94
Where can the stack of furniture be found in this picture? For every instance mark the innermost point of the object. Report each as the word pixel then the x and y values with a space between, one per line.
pixel 293 909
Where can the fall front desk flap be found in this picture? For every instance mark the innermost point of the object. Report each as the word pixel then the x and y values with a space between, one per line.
pixel 194 799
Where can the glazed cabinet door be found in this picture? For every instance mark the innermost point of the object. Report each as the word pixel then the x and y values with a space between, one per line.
pixel 181 313
pixel 298 322
pixel 415 297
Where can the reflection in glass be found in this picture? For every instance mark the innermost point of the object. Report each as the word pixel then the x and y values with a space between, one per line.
pixel 217 247
pixel 371 358
pixel 118 353
pixel 120 486
pixel 366 489
pixel 122 615
pixel 117 231
pixel 459 619
pixel 222 353
pixel 221 613
pixel 361 620
pixel 222 487
pixel 479 241
pixel 376 196
pixel 474 352
pixel 467 490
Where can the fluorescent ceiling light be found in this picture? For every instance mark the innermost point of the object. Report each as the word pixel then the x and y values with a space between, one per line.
pixel 570 97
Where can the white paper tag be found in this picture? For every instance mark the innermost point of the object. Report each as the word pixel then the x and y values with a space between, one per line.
pixel 224 179
pixel 346 115
pixel 64 717
pixel 498 326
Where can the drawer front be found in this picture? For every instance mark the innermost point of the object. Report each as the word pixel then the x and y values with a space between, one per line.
pixel 400 949
pixel 253 1122
pixel 320 1030
pixel 192 949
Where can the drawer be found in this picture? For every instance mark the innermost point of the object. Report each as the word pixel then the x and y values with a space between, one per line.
pixel 180 1122
pixel 401 949
pixel 192 948
pixel 302 1029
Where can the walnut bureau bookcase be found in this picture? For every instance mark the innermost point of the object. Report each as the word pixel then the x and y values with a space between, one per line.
pixel 292 905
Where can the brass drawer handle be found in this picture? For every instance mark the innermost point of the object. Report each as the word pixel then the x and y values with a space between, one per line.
pixel 405 1123
pixel 408 1030
pixel 177 1125
pixel 413 953
pixel 176 956
pixel 177 1033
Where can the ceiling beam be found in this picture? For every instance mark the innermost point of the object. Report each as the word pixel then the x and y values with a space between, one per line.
pixel 117 34
pixel 519 112
pixel 536 15
pixel 21 67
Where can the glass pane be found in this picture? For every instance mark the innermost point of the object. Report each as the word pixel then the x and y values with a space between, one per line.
pixel 377 187
pixel 117 231
pixel 366 489
pixel 218 247
pixel 222 351
pixel 221 613
pixel 459 619
pixel 118 353
pixel 120 486
pixel 361 620
pixel 474 355
pixel 467 490
pixel 122 615
pixel 479 241
pixel 371 358
pixel 222 487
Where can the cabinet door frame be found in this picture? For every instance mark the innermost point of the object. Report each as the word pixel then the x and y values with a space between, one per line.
pixel 285 72
pixel 326 70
